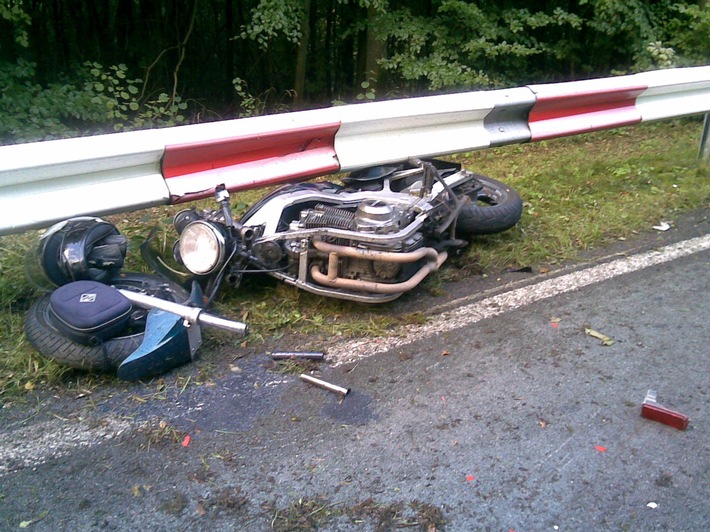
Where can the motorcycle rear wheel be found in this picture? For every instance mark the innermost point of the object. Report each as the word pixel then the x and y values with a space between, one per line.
pixel 108 355
pixel 496 207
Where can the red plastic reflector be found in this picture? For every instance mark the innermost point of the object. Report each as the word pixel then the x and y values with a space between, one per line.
pixel 664 415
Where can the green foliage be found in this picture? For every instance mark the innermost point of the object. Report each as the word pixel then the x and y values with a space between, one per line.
pixel 119 96
pixel 410 46
pixel 688 27
pixel 368 91
pixel 587 191
pixel 272 19
pixel 655 55
pixel 94 100
pixel 12 12
pixel 466 45
pixel 251 105
pixel 29 111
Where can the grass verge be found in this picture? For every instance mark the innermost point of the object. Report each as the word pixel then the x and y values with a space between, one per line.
pixel 580 193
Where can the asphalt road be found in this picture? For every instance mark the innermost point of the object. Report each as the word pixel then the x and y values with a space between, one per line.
pixel 501 413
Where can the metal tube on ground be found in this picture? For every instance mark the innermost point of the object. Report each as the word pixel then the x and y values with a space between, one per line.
pixel 298 355
pixel 325 385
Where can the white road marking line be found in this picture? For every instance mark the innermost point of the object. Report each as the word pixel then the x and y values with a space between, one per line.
pixel 357 349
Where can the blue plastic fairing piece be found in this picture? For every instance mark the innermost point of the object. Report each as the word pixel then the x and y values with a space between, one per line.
pixel 165 346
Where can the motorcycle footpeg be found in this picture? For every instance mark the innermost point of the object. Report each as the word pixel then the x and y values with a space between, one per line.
pixel 168 343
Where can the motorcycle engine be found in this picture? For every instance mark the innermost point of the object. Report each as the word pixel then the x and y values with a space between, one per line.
pixel 370 217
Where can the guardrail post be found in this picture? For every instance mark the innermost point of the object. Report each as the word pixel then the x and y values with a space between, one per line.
pixel 704 150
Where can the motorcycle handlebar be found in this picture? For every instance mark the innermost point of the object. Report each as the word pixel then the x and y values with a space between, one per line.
pixel 192 314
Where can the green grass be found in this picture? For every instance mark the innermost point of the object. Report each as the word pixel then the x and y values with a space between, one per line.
pixel 579 193
pixel 583 192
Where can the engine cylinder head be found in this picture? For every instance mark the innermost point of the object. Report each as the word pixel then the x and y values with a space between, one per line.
pixel 377 217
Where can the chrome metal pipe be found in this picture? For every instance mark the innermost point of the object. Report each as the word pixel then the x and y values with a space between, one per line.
pixel 192 314
pixel 325 385
pixel 379 288
pixel 306 355
pixel 375 254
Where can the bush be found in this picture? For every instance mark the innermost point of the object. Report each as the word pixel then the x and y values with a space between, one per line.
pixel 92 100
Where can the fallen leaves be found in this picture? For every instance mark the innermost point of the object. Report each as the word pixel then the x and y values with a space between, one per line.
pixel 30 522
pixel 606 340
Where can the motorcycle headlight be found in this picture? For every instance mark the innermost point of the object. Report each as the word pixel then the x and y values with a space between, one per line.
pixel 202 247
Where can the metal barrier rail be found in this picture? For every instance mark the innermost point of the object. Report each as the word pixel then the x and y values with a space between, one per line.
pixel 44 182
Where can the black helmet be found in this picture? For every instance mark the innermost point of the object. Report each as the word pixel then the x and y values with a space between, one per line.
pixel 83 248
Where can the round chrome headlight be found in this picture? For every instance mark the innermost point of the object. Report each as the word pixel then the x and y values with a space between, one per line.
pixel 202 247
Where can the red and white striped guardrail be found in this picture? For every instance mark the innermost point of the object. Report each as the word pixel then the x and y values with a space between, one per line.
pixel 44 182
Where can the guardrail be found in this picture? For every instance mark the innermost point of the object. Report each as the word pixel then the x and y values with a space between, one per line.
pixel 44 182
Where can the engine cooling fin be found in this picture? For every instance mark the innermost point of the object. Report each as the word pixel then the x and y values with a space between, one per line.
pixel 327 216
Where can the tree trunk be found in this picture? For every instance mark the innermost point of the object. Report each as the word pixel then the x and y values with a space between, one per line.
pixel 302 55
pixel 228 60
pixel 375 49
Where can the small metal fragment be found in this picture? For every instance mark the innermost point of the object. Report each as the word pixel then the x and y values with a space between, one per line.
pixel 325 385
pixel 306 355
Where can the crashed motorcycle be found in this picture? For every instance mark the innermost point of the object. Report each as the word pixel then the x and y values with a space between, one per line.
pixel 370 239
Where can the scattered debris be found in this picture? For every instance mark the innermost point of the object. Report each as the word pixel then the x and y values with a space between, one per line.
pixel 227 501
pixel 601 448
pixel 663 226
pixel 652 505
pixel 186 441
pixel 298 355
pixel 470 478
pixel 606 340
pixel 325 385
pixel 30 522
pixel 650 409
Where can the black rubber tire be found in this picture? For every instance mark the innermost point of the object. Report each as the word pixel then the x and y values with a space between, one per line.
pixel 108 355
pixel 496 208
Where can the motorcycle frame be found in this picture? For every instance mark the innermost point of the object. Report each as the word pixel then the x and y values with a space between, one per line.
pixel 311 241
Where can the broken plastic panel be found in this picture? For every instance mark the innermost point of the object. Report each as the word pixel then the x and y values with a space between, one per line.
pixel 650 409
